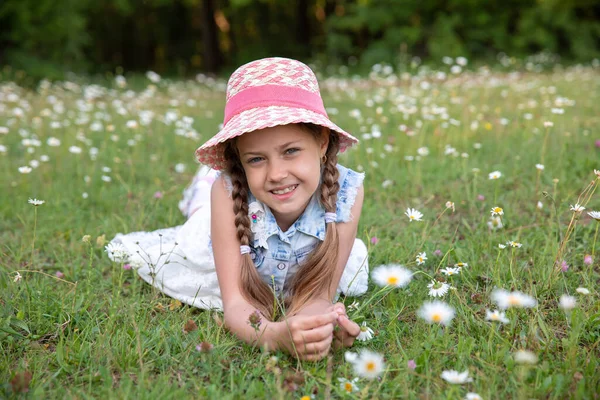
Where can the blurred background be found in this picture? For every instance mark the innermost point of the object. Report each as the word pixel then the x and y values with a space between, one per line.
pixel 46 38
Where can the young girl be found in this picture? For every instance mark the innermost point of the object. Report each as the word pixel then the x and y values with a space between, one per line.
pixel 270 239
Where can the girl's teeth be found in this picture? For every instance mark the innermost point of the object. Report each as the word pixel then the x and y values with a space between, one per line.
pixel 284 191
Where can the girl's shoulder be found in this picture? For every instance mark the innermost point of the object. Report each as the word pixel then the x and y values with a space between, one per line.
pixel 350 181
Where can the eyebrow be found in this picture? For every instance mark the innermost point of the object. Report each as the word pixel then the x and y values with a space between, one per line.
pixel 283 146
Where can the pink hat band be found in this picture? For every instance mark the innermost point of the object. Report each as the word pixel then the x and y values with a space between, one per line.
pixel 267 95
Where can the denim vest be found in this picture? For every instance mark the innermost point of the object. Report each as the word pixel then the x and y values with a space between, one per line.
pixel 278 255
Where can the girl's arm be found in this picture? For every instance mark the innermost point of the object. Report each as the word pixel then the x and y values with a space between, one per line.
pixel 308 338
pixel 226 250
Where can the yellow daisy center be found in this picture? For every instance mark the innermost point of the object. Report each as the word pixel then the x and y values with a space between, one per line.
pixel 513 300
pixel 392 280
pixel 497 209
pixel 370 366
pixel 436 317
pixel 305 398
pixel 348 387
pixel 363 328
pixel 412 217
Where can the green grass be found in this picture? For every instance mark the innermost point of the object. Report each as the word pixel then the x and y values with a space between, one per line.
pixel 102 332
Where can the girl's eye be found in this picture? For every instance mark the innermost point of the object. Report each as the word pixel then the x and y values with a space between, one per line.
pixel 254 160
pixel 292 150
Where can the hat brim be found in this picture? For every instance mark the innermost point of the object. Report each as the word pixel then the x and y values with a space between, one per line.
pixel 211 152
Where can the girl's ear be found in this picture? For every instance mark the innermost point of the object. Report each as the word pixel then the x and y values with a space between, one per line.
pixel 325 132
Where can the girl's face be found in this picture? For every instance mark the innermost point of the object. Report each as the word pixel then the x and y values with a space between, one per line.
pixel 283 168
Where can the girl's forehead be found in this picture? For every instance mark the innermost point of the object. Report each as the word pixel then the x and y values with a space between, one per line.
pixel 273 137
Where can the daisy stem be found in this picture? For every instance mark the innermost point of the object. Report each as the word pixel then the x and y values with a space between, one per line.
pixel 512 258
pixel 496 271
pixel 424 273
pixel 34 231
pixel 594 244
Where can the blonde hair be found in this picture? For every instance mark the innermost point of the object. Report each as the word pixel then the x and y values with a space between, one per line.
pixel 315 275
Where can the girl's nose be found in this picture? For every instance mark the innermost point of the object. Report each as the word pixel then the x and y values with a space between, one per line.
pixel 277 171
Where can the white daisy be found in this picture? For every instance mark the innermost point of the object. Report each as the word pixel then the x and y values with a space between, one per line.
pixel 117 252
pixel 577 208
pixel 506 299
pixel 567 302
pixel 597 172
pixel 366 333
pixel 595 215
pixel 350 356
pixel 438 289
pixel 25 169
pixel 36 202
pixel 413 214
pixel 451 271
pixel 540 167
pixel 495 223
pixel 456 377
pixel 473 396
pixel 391 275
pixel 582 290
pixel 368 364
pixel 436 312
pixel 348 386
pixel 496 316
pixel 514 244
pixel 495 175
pixel 460 265
pixel 421 257
pixel 497 211
pixel 17 277
pixel 501 246
pixel 525 357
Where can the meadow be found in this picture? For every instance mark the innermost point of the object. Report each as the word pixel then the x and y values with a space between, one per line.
pixel 502 162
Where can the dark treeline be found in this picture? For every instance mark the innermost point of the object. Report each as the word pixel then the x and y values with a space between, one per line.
pixel 48 37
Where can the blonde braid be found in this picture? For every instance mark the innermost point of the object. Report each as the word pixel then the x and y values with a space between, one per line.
pixel 253 288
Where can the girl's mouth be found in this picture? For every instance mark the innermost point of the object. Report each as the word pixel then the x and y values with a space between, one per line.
pixel 284 191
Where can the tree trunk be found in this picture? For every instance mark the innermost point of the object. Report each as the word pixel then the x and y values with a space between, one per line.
pixel 212 53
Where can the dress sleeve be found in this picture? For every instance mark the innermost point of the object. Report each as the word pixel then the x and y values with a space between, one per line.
pixel 227 182
pixel 350 181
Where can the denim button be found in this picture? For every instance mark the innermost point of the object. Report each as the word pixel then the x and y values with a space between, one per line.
pixel 280 266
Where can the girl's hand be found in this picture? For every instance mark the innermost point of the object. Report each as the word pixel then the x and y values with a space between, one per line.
pixel 347 330
pixel 308 337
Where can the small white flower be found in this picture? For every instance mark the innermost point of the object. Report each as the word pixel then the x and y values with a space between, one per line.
pixel 132 124
pixel 506 299
pixel 438 289
pixel 514 244
pixel 75 150
pixel 117 252
pixel 36 202
pixel 106 178
pixel 495 175
pixel 25 169
pixel 496 316
pixel 53 142
pixel 473 396
pixel 495 223
pixel 450 204
pixel 153 76
pixel 582 290
pixel 17 277
pixel 577 208
pixel 387 183
pixel 540 167
pixel 348 386
pixel 350 356
pixel 368 364
pixel 548 124
pixel 180 168
pixel 436 312
pixel 501 246
pixel 391 275
pixel 595 215
pixel 525 357
pixel 423 151
pixel 451 271
pixel 413 214
pixel 539 205
pixel 497 211
pixel 421 258
pixel 597 172
pixel 567 302
pixel 456 377
pixel 366 333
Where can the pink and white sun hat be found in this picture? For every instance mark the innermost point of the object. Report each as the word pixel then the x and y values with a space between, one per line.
pixel 266 93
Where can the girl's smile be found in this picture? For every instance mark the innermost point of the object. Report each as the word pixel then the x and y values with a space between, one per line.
pixel 283 169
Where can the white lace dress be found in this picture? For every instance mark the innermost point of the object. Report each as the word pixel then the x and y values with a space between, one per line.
pixel 179 260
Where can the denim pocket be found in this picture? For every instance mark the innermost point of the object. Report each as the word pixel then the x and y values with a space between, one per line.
pixel 303 252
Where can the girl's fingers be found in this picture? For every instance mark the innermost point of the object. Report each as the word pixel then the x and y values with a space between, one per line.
pixel 350 327
pixel 317 348
pixel 319 334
